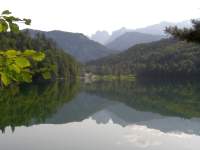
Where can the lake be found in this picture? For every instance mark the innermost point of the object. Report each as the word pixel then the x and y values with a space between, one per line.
pixel 101 116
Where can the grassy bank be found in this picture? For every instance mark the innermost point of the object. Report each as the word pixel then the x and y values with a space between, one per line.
pixel 115 77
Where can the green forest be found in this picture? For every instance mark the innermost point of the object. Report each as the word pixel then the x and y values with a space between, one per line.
pixel 177 56
pixel 163 58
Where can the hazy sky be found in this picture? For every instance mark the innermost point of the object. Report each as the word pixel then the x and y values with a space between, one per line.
pixel 87 16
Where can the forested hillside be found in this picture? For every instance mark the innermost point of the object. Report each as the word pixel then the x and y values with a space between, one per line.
pixel 63 64
pixel 76 44
pixel 167 57
pixel 129 39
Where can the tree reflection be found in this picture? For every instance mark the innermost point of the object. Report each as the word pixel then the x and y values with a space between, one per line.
pixel 165 98
pixel 32 104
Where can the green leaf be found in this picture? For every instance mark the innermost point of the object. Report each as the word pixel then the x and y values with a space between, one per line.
pixel 3 25
pixel 15 68
pixel 39 56
pixel 27 77
pixel 46 75
pixel 29 52
pixel 5 79
pixel 27 21
pixel 22 62
pixel 6 12
pixel 11 53
pixel 9 19
pixel 14 27
pixel 16 19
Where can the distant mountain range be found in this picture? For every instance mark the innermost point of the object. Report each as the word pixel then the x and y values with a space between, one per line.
pixel 117 33
pixel 101 37
pixel 102 44
pixel 129 39
pixel 76 44
pixel 156 29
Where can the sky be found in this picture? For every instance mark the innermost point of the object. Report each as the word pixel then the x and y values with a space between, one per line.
pixel 88 16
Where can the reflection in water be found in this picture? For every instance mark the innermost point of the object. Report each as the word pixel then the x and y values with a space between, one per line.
pixel 88 135
pixel 109 115
pixel 182 100
pixel 33 104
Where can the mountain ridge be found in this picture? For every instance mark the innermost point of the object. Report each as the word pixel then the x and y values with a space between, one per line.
pixel 130 39
pixel 154 29
pixel 76 44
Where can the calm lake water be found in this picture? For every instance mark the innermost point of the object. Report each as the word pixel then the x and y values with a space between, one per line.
pixel 101 116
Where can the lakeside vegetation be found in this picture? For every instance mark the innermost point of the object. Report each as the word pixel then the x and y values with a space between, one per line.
pixel 114 78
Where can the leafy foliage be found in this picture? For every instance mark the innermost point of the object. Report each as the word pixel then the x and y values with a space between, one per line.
pixel 190 35
pixel 8 22
pixel 21 63
pixel 61 64
pixel 16 65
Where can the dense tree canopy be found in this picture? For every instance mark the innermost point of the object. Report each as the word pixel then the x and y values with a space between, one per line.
pixel 19 66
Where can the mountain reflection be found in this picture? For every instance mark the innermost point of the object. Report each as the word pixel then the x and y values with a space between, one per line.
pixel 170 108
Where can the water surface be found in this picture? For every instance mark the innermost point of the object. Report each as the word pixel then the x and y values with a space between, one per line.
pixel 103 115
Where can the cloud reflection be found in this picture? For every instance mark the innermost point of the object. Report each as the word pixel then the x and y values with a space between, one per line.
pixel 143 137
